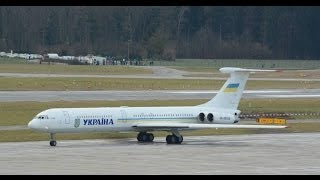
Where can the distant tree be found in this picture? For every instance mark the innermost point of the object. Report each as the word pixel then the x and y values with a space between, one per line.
pixel 160 32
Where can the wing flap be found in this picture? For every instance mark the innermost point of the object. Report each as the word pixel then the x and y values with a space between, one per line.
pixel 169 126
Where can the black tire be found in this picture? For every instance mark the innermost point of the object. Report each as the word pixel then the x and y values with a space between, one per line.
pixel 150 137
pixel 178 140
pixel 53 143
pixel 144 137
pixel 139 137
pixel 168 139
pixel 173 139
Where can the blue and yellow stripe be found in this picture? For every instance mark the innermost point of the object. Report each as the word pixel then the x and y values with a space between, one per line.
pixel 231 87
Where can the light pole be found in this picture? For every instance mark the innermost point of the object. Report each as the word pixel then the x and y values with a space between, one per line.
pixel 220 35
pixel 129 49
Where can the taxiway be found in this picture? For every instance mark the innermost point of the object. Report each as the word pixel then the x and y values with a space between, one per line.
pixel 295 153
pixel 45 96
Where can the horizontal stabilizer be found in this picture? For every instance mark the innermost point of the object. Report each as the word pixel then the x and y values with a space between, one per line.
pixel 235 69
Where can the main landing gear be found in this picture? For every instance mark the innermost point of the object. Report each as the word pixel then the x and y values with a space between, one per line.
pixel 52 141
pixel 145 137
pixel 175 138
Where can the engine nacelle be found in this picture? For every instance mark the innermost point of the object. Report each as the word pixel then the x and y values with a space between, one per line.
pixel 201 117
pixel 217 118
pixel 205 117
pixel 210 117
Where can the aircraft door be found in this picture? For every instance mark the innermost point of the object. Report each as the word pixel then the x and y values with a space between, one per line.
pixel 124 116
pixel 66 117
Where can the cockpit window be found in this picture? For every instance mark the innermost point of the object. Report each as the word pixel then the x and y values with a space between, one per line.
pixel 42 117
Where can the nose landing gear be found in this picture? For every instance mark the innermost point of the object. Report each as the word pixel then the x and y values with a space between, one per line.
pixel 52 141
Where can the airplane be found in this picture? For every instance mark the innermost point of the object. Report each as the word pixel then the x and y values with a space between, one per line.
pixel 219 112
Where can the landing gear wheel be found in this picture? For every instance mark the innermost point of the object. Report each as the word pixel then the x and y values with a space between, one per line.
pixel 173 139
pixel 53 143
pixel 139 137
pixel 150 137
pixel 178 140
pixel 145 137
pixel 170 139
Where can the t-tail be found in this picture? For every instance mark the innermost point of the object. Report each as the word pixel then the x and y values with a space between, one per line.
pixel 230 94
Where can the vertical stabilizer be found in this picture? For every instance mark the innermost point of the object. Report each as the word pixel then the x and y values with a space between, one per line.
pixel 230 94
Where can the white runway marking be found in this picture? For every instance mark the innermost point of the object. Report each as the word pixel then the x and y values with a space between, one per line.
pixel 245 92
pixel 292 96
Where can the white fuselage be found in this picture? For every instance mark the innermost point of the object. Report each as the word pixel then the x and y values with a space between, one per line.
pixel 103 119
pixel 219 112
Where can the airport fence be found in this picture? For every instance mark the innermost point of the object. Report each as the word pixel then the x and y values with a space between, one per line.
pixel 283 115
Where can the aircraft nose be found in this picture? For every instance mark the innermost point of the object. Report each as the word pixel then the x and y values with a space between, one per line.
pixel 32 124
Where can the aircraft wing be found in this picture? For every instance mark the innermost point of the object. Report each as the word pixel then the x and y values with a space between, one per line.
pixel 191 126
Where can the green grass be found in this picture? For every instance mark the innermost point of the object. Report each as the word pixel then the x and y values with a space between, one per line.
pixel 20 113
pixel 73 83
pixel 301 74
pixel 247 63
pixel 258 85
pixel 6 60
pixel 9 83
pixel 192 65
pixel 72 69
pixel 280 105
pixel 29 135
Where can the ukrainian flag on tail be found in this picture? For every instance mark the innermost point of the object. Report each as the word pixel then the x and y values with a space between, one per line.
pixel 231 87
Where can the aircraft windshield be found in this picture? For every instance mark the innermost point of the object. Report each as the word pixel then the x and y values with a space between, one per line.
pixel 42 117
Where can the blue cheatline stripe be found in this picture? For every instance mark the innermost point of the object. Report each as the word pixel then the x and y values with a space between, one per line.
pixel 189 118
pixel 236 85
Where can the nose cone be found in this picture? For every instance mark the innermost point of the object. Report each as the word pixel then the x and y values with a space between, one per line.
pixel 33 124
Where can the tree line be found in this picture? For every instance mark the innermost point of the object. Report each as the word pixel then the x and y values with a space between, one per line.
pixel 163 32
